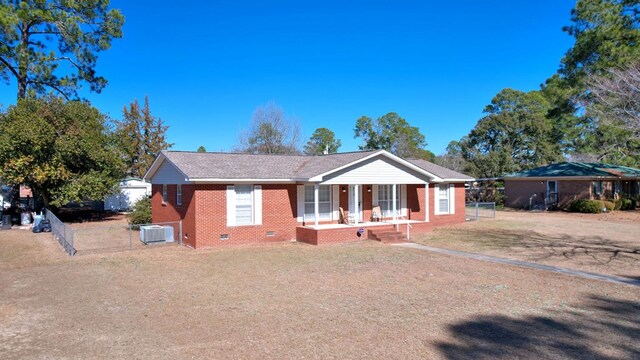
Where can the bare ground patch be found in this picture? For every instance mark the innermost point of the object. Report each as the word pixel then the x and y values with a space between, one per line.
pixel 362 300
pixel 600 243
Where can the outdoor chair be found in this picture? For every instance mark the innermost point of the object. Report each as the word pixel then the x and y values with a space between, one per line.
pixel 376 214
pixel 345 218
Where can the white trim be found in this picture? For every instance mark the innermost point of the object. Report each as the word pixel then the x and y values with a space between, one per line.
pixel 335 200
pixel 238 181
pixel 403 200
pixel 300 198
pixel 426 200
pixel 231 205
pixel 155 166
pixel 257 205
pixel 316 204
pixel 165 193
pixel 178 194
pixel 394 197
pixel 452 198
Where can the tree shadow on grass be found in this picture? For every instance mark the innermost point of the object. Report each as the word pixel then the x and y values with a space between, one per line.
pixel 598 328
pixel 535 246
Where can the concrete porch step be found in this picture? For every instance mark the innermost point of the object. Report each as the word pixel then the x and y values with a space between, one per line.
pixel 387 237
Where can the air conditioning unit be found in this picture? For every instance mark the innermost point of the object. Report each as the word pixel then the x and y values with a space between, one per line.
pixel 156 233
pixel 152 233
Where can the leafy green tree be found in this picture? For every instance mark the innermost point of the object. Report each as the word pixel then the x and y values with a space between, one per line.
pixel 201 149
pixel 141 137
pixel 394 134
pixel 515 134
pixel 63 150
pixel 270 132
pixel 322 141
pixel 53 44
pixel 607 34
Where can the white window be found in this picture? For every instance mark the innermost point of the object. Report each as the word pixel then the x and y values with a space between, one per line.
pixel 324 202
pixel 244 204
pixel 178 194
pixel 164 193
pixel 443 198
pixel 385 199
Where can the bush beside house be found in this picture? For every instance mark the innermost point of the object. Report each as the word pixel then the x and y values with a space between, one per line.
pixel 141 212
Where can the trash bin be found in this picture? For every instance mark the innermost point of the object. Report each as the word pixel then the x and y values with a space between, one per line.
pixel 6 221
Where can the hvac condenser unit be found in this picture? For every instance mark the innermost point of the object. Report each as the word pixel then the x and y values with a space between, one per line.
pixel 151 233
pixel 156 233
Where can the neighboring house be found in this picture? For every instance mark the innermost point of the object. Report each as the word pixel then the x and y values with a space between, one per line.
pixel 232 198
pixel 560 184
pixel 129 191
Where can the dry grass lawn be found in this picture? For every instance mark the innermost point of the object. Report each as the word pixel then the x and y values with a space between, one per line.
pixel 600 243
pixel 295 301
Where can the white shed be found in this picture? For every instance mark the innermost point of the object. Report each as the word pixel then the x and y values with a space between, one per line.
pixel 129 191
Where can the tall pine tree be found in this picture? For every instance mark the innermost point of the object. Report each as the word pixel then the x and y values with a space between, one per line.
pixel 141 138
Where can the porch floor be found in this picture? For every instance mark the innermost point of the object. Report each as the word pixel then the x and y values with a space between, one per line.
pixel 361 224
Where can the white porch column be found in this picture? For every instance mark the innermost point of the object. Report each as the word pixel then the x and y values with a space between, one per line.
pixel 426 200
pixel 316 205
pixel 356 199
pixel 394 197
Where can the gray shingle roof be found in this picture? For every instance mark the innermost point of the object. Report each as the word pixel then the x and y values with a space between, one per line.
pixel 438 170
pixel 212 165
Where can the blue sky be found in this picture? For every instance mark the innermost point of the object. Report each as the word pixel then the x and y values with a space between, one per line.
pixel 207 65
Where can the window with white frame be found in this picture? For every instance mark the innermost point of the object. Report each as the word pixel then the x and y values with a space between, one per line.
pixel 443 198
pixel 244 204
pixel 385 199
pixel 164 193
pixel 179 194
pixel 324 202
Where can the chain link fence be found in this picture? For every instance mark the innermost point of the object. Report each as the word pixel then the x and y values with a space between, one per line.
pixel 121 236
pixel 475 211
pixel 61 232
pixel 77 239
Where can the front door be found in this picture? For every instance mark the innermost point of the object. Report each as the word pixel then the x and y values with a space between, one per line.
pixel 355 202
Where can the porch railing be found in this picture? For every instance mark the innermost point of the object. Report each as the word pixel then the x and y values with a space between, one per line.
pixel 409 227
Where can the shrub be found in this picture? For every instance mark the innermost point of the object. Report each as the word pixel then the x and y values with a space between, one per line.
pixel 628 204
pixel 141 212
pixel 586 206
pixel 617 204
pixel 609 205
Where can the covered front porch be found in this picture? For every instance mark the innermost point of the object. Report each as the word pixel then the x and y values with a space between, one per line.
pixel 337 233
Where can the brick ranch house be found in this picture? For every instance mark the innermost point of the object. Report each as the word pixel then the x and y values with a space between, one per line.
pixel 231 198
pixel 560 184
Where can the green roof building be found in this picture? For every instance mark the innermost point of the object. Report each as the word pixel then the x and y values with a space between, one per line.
pixel 557 185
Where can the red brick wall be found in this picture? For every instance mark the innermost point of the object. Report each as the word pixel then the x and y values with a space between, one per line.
pixel 170 211
pixel 416 202
pixel 447 219
pixel 204 214
pixel 279 212
pixel 328 236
